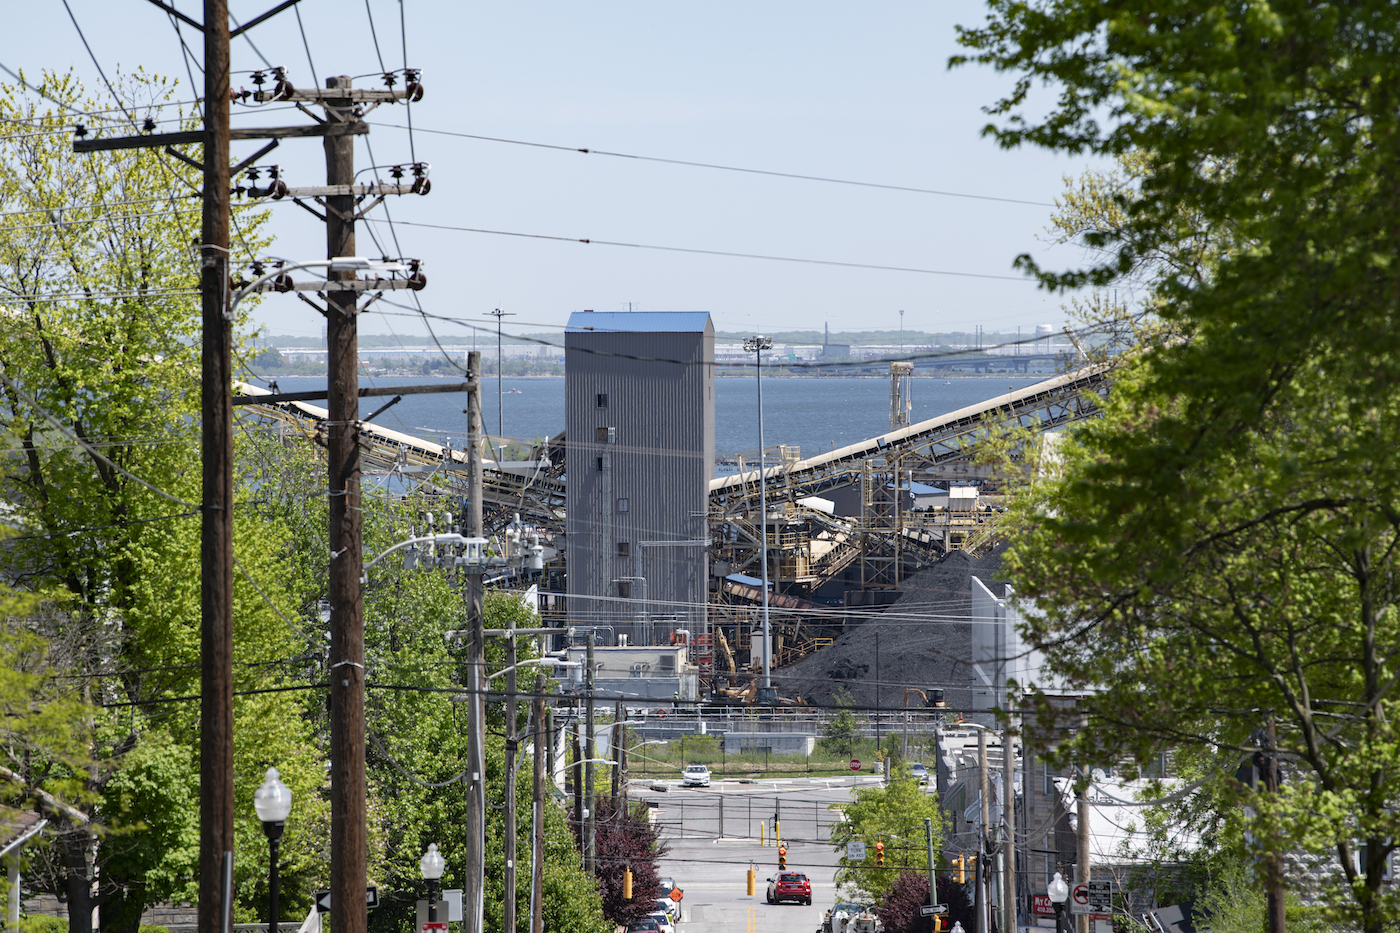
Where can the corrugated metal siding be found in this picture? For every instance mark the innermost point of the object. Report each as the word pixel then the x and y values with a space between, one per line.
pixel 661 407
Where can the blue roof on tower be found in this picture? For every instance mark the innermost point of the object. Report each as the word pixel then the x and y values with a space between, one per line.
pixel 640 322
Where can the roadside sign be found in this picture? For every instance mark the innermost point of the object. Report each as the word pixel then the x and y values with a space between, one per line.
pixel 928 910
pixel 323 899
pixel 435 926
pixel 1091 897
pixel 676 895
pixel 855 764
pixel 855 850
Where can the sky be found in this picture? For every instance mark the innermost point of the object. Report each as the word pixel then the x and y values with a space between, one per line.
pixel 849 91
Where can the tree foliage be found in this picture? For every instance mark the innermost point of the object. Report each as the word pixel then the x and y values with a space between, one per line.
pixel 1219 549
pixel 893 814
pixel 99 414
pixel 900 911
pixel 625 838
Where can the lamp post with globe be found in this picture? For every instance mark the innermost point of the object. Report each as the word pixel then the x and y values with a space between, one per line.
pixel 431 866
pixel 272 801
pixel 1059 893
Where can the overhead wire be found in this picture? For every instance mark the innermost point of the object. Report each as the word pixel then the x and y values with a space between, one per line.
pixel 724 168
pixel 306 45
pixel 587 241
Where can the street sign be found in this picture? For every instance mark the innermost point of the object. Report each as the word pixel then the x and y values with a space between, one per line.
pixel 323 899
pixel 435 926
pixel 928 910
pixel 855 764
pixel 855 850
pixel 1091 897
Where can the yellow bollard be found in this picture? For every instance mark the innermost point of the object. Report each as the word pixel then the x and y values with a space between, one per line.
pixel 761 827
pixel 753 880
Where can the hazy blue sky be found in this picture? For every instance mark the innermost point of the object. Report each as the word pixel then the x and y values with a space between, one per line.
pixel 855 91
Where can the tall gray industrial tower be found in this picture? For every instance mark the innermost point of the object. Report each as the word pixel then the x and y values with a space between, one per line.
pixel 640 423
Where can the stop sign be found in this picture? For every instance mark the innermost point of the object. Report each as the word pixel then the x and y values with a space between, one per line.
pixel 855 764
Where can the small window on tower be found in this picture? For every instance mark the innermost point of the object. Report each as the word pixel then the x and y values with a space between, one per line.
pixel 601 466
pixel 624 589
pixel 602 400
pixel 622 505
pixel 607 435
pixel 624 549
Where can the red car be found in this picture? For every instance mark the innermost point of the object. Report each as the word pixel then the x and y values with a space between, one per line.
pixel 789 886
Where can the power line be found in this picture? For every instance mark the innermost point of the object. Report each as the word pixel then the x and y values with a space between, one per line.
pixel 729 168
pixel 716 252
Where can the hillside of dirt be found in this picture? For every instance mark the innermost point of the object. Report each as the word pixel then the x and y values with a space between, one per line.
pixel 923 640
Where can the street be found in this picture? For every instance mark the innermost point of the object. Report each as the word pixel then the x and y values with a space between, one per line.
pixel 713 834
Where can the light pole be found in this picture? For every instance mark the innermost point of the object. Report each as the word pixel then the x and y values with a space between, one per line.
pixel 431 866
pixel 1059 893
pixel 500 405
pixel 272 801
pixel 766 694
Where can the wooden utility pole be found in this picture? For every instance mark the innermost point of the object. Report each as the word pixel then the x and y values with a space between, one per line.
pixel 537 830
pixel 508 904
pixel 1273 867
pixel 1083 870
pixel 591 752
pixel 1008 783
pixel 983 873
pixel 618 733
pixel 347 661
pixel 474 907
pixel 216 526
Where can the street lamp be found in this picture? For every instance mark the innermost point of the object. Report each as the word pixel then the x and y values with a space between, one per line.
pixel 766 693
pixel 431 866
pixel 272 801
pixel 1059 893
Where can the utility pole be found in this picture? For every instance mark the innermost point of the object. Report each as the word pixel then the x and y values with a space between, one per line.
pixel 1083 871
pixel 347 667
pixel 928 834
pixel 1008 780
pixel 1273 868
pixel 474 909
pixel 537 811
pixel 216 523
pixel 591 752
pixel 619 734
pixel 983 875
pixel 508 903
pixel 500 405
pixel 577 737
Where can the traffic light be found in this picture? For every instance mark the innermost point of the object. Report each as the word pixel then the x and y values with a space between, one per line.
pixel 940 923
pixel 880 855
pixel 961 869
pixel 627 882
pixel 782 857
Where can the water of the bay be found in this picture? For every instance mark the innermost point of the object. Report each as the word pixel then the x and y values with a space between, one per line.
pixel 814 414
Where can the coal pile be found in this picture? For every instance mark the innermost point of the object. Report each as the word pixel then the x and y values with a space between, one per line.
pixel 923 640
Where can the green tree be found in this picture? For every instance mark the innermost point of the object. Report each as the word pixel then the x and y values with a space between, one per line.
pixel 893 815
pixel 1219 549
pixel 99 410
pixel 839 733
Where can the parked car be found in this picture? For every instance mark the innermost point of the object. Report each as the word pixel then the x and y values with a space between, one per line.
pixel 695 776
pixel 919 772
pixel 667 886
pixel 670 906
pixel 789 886
pixel 644 926
pixel 663 920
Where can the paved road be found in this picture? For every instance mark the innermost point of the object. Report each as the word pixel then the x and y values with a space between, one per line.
pixel 710 865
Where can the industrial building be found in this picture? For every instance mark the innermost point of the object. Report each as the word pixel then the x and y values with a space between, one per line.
pixel 640 423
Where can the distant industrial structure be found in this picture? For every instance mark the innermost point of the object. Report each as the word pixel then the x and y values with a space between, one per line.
pixel 640 423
